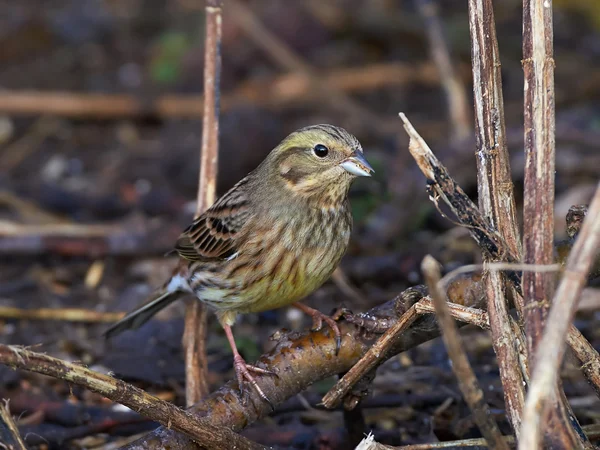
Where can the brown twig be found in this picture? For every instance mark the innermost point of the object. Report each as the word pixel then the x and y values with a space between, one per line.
pixel 551 347
pixel 194 335
pixel 166 413
pixel 375 356
pixel 393 329
pixel 467 380
pixel 456 94
pixel 465 314
pixel 495 189
pixel 62 314
pixel 10 439
pixel 90 241
pixel 282 91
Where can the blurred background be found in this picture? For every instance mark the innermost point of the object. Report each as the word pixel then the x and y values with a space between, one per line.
pixel 100 131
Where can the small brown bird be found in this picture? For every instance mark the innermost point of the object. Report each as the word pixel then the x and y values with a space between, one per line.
pixel 272 239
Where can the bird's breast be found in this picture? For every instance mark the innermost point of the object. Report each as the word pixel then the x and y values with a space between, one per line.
pixel 280 262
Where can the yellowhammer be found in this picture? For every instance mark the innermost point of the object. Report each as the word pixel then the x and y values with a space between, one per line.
pixel 274 238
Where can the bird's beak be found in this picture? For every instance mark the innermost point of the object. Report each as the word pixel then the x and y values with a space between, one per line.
pixel 357 165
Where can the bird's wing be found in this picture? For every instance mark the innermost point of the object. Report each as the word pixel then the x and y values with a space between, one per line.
pixel 215 234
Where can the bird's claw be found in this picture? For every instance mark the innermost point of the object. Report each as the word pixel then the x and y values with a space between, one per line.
pixel 318 318
pixel 242 371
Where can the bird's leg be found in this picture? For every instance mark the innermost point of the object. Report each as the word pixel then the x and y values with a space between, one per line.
pixel 318 317
pixel 242 370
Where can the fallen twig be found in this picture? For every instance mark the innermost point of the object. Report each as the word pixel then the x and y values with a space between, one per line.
pixel 92 241
pixel 167 414
pixel 282 91
pixel 61 314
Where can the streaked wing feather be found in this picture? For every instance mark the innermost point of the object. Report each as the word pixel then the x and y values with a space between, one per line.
pixel 215 234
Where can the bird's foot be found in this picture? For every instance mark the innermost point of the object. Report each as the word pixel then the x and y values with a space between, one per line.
pixel 242 371
pixel 318 318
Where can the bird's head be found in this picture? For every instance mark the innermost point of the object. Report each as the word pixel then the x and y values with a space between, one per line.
pixel 319 162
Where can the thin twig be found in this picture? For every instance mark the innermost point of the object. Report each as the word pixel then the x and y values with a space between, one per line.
pixel 467 380
pixel 378 353
pixel 496 197
pixel 472 316
pixel 552 346
pixel 10 438
pixel 138 400
pixel 194 335
pixel 92 241
pixel 375 356
pixel 456 94
pixel 61 314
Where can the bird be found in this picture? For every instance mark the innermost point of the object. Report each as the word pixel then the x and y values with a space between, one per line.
pixel 275 237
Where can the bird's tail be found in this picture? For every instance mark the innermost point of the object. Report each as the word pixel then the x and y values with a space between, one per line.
pixel 172 291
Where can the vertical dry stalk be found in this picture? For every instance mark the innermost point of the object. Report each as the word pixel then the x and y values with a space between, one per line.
pixel 552 346
pixel 458 103
pixel 460 364
pixel 496 198
pixel 194 336
pixel 538 208
pixel 539 124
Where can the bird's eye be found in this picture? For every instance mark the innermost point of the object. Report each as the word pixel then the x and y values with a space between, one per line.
pixel 321 151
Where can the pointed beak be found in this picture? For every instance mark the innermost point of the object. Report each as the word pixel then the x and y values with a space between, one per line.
pixel 357 165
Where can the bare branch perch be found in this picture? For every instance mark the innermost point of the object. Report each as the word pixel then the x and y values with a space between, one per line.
pixel 138 400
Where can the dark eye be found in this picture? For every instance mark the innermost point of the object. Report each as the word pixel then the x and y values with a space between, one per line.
pixel 321 151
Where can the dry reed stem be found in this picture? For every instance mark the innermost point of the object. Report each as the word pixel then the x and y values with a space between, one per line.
pixel 538 204
pixel 194 335
pixel 552 345
pixel 461 367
